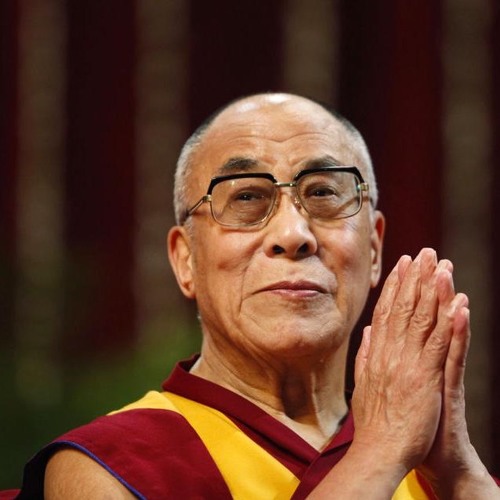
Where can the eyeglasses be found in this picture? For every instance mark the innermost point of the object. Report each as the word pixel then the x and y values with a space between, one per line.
pixel 247 199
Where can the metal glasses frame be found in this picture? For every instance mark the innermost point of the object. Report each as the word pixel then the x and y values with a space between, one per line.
pixel 207 198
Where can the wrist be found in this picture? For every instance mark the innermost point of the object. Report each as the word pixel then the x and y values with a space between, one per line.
pixel 464 481
pixel 477 485
pixel 363 470
pixel 377 466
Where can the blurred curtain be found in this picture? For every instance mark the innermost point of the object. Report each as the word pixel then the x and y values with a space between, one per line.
pixel 97 98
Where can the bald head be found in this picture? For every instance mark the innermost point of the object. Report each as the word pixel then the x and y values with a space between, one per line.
pixel 247 111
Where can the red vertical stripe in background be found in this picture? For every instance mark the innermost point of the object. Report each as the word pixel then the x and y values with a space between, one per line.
pixel 390 88
pixel 495 235
pixel 236 49
pixel 9 89
pixel 100 176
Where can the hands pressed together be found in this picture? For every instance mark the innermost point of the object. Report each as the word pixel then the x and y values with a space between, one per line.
pixel 408 404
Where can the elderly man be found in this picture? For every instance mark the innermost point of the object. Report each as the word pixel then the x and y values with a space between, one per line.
pixel 279 242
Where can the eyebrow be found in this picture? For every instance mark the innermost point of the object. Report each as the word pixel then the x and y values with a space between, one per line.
pixel 245 164
pixel 238 164
pixel 323 161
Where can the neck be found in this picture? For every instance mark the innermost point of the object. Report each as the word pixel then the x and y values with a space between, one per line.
pixel 306 394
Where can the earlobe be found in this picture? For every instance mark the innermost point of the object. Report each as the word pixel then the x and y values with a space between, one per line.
pixel 377 240
pixel 180 257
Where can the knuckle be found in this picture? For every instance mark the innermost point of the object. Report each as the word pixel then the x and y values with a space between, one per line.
pixel 422 321
pixel 382 310
pixel 403 307
pixel 436 344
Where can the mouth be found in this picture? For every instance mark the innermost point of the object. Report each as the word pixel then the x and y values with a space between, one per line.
pixel 298 289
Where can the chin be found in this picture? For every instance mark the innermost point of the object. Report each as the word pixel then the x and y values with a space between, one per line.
pixel 296 343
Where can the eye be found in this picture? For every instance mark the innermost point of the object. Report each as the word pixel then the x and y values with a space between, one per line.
pixel 248 196
pixel 321 191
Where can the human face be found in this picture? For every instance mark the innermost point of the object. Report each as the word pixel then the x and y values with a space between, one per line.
pixel 292 287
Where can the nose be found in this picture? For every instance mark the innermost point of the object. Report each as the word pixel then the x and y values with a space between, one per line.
pixel 288 232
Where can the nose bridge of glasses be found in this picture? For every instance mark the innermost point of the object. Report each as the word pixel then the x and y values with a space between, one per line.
pixel 294 193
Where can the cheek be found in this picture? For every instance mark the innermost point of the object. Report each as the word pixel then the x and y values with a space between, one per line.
pixel 347 253
pixel 220 265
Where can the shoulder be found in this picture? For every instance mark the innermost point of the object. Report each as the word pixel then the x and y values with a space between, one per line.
pixel 72 474
pixel 143 451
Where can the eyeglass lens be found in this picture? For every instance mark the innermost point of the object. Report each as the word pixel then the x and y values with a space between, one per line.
pixel 250 200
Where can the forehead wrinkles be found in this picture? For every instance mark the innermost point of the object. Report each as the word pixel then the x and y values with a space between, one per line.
pixel 274 123
pixel 269 135
pixel 255 138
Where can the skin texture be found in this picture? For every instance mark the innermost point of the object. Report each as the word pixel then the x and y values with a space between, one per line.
pixel 71 474
pixel 408 403
pixel 277 304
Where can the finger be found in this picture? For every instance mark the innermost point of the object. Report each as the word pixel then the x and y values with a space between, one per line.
pixel 438 344
pixel 446 287
pixel 362 354
pixel 457 353
pixel 428 264
pixel 425 317
pixel 389 291
pixel 402 266
pixel 406 303
pixel 385 303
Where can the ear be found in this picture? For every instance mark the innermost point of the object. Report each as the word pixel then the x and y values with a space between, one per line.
pixel 180 257
pixel 377 241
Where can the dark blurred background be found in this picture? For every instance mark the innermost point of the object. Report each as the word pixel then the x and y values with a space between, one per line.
pixel 96 98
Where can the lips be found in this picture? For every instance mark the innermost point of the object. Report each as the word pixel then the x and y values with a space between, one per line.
pixel 294 286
